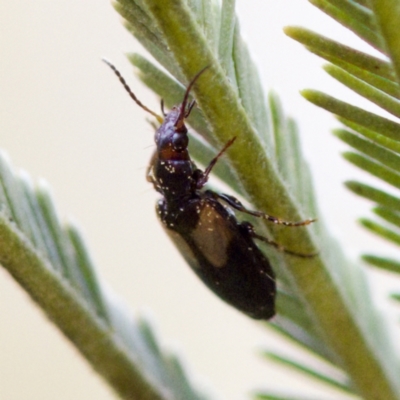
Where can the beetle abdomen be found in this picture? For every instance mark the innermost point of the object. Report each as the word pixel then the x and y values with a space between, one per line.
pixel 222 254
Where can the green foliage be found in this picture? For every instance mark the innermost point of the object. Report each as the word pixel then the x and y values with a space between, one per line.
pixel 51 262
pixel 375 138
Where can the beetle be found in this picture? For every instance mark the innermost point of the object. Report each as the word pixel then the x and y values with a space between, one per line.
pixel 202 224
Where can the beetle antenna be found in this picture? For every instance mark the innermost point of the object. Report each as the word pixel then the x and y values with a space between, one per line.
pixel 128 89
pixel 183 114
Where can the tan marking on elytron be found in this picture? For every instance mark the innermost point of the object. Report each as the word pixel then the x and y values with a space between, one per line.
pixel 211 237
pixel 184 248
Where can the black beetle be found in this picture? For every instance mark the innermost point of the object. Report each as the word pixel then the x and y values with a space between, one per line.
pixel 201 223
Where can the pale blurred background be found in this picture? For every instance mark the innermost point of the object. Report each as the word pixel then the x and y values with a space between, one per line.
pixel 65 117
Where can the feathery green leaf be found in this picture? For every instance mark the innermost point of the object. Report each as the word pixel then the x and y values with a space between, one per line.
pixel 52 263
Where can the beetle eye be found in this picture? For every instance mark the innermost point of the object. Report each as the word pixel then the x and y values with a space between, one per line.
pixel 179 141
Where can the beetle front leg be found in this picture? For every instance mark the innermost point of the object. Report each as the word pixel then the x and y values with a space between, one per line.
pixel 203 178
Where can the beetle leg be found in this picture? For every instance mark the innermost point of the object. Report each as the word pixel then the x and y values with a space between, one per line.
pixel 248 227
pixel 149 171
pixel 149 174
pixel 237 205
pixel 201 180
